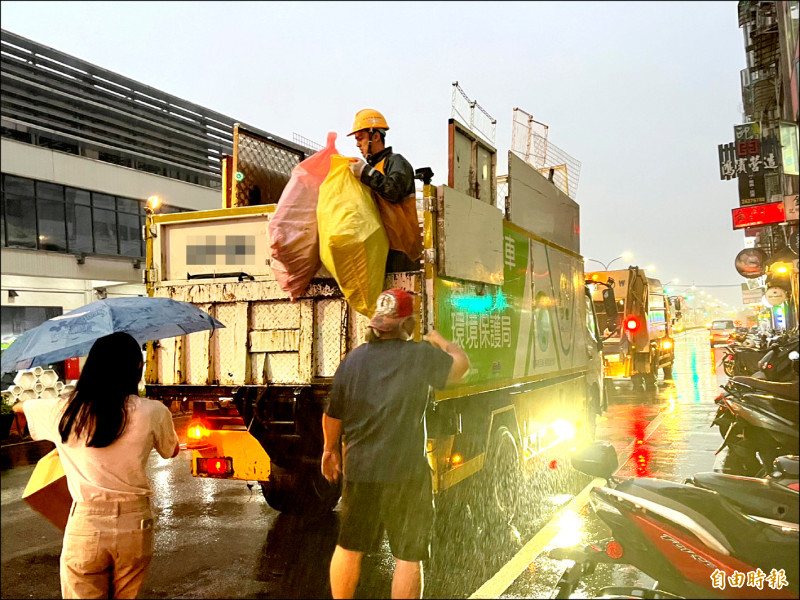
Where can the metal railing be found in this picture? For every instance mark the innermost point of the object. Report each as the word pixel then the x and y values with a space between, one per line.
pixel 472 115
pixel 529 141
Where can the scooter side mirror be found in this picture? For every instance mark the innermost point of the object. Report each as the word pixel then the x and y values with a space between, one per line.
pixel 598 459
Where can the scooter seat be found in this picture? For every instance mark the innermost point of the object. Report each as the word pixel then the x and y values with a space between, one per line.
pixel 789 390
pixel 759 497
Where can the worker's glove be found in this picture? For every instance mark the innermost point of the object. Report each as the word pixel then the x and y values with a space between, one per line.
pixel 357 167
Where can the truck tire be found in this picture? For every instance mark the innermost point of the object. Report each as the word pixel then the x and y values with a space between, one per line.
pixel 637 380
pixel 667 372
pixel 650 381
pixel 504 477
pixel 305 492
pixel 651 377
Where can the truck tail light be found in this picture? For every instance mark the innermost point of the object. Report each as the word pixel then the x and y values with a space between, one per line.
pixel 632 324
pixel 215 466
pixel 666 344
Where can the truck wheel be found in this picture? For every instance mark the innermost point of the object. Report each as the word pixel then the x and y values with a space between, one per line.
pixel 650 381
pixel 301 493
pixel 637 379
pixel 505 477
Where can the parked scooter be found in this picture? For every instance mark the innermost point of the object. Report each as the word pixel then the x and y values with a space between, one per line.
pixel 775 497
pixel 739 359
pixel 780 363
pixel 769 360
pixel 758 420
pixel 689 539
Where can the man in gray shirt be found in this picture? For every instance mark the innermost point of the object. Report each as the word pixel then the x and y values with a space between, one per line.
pixel 378 401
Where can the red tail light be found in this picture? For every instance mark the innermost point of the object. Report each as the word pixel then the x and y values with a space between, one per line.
pixel 795 487
pixel 632 324
pixel 215 466
pixel 614 550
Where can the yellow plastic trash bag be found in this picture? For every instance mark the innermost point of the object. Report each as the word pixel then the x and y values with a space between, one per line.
pixel 352 241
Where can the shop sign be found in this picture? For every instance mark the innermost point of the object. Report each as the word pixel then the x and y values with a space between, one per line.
pixel 746 131
pixel 751 190
pixel 776 296
pixel 752 296
pixel 753 216
pixel 791 208
pixel 751 263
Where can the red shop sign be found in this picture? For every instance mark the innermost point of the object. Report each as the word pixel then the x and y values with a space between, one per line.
pixel 761 214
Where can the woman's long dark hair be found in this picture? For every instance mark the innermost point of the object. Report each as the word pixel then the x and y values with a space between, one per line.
pixel 97 406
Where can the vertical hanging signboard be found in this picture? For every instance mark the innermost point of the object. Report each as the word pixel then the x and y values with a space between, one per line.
pixel 749 168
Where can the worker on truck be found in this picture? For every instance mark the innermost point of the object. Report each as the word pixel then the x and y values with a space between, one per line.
pixel 391 179
pixel 378 402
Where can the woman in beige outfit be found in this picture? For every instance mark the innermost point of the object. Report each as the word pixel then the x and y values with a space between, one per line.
pixel 104 433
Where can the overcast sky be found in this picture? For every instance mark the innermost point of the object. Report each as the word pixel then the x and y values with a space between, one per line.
pixel 640 93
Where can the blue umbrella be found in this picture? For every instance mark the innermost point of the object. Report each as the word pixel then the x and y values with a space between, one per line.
pixel 73 334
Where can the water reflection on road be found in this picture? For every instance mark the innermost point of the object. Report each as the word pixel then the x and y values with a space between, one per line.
pixel 667 435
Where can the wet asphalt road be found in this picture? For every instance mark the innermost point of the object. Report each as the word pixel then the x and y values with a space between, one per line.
pixel 219 539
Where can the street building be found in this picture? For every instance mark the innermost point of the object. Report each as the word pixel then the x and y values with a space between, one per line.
pixel 763 159
pixel 82 150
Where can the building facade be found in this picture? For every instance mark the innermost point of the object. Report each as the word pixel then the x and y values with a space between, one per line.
pixel 82 150
pixel 765 147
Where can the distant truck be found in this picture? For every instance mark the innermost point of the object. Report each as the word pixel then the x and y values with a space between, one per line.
pixel 638 339
pixel 514 298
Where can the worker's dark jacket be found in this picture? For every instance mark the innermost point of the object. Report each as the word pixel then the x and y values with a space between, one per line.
pixel 396 183
pixel 391 179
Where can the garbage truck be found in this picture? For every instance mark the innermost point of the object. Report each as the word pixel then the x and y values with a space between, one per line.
pixel 507 285
pixel 638 337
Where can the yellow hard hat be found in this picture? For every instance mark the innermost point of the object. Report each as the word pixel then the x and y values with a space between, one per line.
pixel 368 118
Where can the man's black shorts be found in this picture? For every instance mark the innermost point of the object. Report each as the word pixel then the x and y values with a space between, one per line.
pixel 404 509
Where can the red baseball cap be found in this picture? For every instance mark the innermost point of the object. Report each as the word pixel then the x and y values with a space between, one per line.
pixel 393 306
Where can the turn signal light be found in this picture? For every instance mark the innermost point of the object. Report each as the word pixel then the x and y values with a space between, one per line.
pixel 196 431
pixel 215 466
pixel 666 344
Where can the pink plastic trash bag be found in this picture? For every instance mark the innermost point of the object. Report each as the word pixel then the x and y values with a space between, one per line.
pixel 294 240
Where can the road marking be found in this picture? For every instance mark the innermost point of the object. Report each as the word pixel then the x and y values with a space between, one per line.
pixel 509 572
